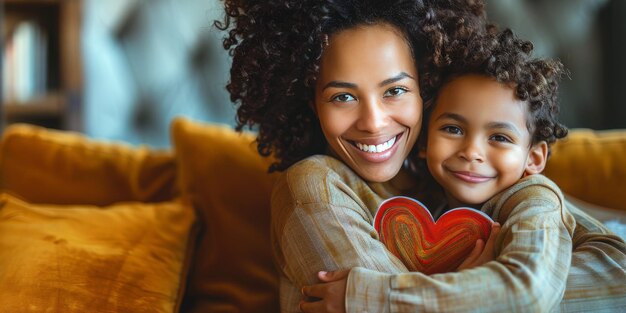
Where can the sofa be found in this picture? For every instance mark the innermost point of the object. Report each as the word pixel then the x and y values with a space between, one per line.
pixel 93 226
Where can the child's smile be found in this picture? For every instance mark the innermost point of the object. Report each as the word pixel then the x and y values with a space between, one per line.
pixel 478 141
pixel 471 177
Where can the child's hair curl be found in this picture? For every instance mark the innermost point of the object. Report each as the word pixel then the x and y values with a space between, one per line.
pixel 507 59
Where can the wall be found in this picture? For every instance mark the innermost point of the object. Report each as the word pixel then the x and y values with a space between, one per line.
pixel 589 37
pixel 148 61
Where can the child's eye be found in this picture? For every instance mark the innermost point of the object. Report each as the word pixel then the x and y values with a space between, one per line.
pixel 452 130
pixel 501 138
pixel 395 91
pixel 344 97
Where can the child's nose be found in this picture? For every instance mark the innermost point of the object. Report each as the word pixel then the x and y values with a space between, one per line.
pixel 472 151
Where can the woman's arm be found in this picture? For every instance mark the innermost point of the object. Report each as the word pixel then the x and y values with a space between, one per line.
pixel 322 220
pixel 597 277
pixel 529 274
pixel 332 291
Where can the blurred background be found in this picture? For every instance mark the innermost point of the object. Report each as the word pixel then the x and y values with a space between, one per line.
pixel 122 69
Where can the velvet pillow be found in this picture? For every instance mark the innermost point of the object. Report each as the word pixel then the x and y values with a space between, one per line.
pixel 126 257
pixel 49 166
pixel 590 166
pixel 227 181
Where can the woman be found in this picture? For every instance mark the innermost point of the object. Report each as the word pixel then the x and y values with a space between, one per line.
pixel 337 90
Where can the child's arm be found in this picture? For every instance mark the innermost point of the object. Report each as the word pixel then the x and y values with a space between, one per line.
pixel 483 252
pixel 534 254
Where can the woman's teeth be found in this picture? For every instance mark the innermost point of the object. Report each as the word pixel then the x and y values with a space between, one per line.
pixel 376 148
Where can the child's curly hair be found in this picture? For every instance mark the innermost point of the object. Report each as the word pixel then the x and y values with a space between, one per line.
pixel 506 58
pixel 277 45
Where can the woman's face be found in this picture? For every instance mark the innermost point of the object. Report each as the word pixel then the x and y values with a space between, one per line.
pixel 367 99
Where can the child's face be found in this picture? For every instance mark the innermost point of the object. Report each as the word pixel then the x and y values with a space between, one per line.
pixel 478 141
pixel 367 99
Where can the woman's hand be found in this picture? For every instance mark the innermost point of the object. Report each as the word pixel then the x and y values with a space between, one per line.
pixel 482 253
pixel 330 294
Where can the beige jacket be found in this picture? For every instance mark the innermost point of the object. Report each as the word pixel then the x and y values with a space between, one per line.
pixel 322 219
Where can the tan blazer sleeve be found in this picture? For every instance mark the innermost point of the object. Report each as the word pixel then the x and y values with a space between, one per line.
pixel 321 223
pixel 529 275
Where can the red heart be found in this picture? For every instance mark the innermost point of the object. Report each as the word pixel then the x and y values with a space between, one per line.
pixel 409 231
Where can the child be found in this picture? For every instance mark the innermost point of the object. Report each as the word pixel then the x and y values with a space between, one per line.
pixel 487 141
pixel 492 120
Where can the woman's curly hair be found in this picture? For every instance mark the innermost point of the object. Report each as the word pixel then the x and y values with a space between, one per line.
pixel 507 59
pixel 277 45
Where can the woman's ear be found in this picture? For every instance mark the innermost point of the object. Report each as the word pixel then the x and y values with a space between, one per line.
pixel 537 158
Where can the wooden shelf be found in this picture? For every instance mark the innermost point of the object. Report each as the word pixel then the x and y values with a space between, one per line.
pixel 30 1
pixel 49 106
pixel 61 20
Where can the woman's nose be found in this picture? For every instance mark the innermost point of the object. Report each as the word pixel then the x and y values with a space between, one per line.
pixel 373 116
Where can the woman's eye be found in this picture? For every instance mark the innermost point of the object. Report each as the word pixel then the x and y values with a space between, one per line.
pixel 396 91
pixel 501 138
pixel 344 97
pixel 452 130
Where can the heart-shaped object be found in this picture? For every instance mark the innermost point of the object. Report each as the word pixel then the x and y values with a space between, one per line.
pixel 409 231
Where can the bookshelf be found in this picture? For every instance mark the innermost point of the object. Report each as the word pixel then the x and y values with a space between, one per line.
pixel 41 63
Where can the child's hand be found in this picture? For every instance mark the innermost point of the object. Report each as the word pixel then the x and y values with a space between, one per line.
pixel 330 294
pixel 482 253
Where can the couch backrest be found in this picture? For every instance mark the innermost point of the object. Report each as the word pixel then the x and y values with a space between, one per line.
pixel 591 166
pixel 225 179
pixel 55 167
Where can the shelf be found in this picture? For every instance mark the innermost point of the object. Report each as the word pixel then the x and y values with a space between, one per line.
pixel 30 1
pixel 60 20
pixel 48 106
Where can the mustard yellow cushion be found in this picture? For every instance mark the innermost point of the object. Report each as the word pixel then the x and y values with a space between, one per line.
pixel 222 173
pixel 122 258
pixel 47 166
pixel 591 166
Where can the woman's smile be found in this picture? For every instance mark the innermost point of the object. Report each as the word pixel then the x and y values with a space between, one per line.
pixel 373 150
